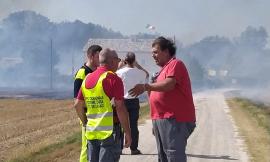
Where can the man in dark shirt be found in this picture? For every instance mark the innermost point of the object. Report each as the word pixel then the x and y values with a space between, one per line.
pixel 91 64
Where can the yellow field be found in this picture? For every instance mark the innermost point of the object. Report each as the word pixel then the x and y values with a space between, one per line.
pixel 41 130
pixel 26 126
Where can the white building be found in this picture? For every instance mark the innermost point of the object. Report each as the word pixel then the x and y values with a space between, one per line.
pixel 141 47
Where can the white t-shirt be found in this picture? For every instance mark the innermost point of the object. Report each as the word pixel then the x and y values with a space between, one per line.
pixel 131 77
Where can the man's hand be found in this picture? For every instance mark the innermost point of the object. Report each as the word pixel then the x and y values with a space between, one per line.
pixel 165 85
pixel 122 114
pixel 121 64
pixel 137 90
pixel 79 106
pixel 127 140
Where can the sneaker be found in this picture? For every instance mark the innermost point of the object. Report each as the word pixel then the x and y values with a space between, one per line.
pixel 135 152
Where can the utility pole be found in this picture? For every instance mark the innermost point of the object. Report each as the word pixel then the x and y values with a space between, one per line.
pixel 72 60
pixel 51 67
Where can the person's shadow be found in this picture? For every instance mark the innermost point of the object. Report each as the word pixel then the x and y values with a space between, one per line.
pixel 225 157
pixel 143 154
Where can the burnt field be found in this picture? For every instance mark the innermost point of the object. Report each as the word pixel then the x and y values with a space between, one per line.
pixel 35 94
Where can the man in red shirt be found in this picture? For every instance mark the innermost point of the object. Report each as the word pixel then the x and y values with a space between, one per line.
pixel 108 149
pixel 171 102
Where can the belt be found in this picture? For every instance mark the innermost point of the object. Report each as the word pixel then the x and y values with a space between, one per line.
pixel 116 124
pixel 131 99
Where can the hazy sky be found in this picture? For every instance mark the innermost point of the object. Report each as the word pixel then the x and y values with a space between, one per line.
pixel 188 20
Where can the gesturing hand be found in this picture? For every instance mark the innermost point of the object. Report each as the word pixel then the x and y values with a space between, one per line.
pixel 137 90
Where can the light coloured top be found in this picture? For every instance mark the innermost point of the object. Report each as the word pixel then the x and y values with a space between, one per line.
pixel 131 77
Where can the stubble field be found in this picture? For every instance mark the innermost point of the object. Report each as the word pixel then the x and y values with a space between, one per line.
pixel 26 126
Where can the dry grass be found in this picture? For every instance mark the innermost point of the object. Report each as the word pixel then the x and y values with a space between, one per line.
pixel 66 151
pixel 41 130
pixel 29 125
pixel 144 113
pixel 253 121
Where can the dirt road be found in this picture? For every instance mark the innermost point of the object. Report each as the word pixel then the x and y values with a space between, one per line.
pixel 28 125
pixel 215 138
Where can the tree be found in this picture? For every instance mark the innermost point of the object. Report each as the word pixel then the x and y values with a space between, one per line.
pixel 253 38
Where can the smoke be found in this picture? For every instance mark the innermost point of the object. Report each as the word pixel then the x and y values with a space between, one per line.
pixel 28 39
pixel 10 6
pixel 39 51
pixel 189 21
pixel 241 62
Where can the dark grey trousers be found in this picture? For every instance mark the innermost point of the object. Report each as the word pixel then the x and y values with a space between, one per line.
pixel 133 107
pixel 171 137
pixel 107 150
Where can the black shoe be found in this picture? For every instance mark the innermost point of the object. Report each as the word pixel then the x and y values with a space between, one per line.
pixel 135 152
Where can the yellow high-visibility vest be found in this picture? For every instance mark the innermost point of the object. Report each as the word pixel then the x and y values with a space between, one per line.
pixel 99 111
pixel 80 74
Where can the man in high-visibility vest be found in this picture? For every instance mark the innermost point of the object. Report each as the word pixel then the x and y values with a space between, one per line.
pixel 91 64
pixel 102 120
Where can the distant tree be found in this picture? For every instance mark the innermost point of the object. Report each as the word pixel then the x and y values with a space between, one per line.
pixel 245 58
pixel 28 35
pixel 26 24
pixel 211 51
pixel 195 69
pixel 253 38
pixel 249 59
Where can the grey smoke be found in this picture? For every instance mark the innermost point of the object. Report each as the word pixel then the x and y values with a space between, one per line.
pixel 28 40
pixel 244 58
pixel 25 43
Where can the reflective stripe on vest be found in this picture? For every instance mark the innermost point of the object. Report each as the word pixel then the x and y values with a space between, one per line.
pixel 100 128
pixel 99 111
pixel 94 116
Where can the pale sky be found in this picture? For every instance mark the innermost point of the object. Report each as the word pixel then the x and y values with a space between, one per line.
pixel 188 20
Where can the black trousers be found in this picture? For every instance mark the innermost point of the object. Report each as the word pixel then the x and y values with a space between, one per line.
pixel 133 107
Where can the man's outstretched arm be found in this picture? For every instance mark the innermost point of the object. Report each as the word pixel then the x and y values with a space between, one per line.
pixel 123 118
pixel 162 86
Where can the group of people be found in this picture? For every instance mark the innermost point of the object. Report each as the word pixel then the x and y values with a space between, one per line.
pixel 106 90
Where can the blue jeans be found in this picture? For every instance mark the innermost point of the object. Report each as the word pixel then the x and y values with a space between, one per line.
pixel 171 137
pixel 107 150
